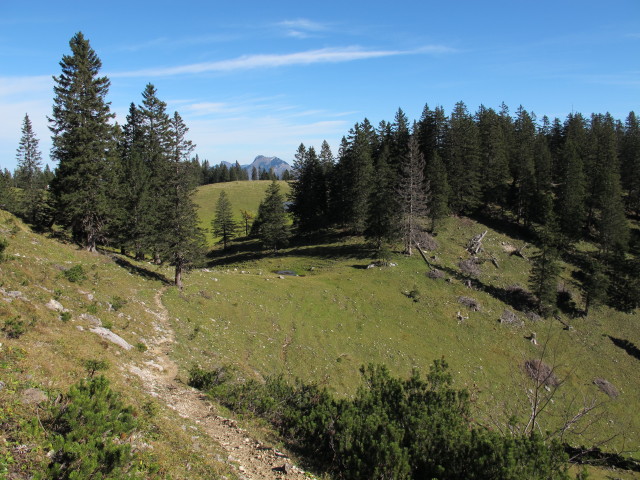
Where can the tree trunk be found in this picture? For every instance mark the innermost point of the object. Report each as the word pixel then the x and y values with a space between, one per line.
pixel 178 279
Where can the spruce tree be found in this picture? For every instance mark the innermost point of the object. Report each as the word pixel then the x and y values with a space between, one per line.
pixel 83 144
pixel 462 160
pixel 155 151
pixel 544 277
pixel 606 194
pixel 494 156
pixel 271 222
pixel 356 169
pixel 308 191
pixel 223 224
pixel 135 176
pixel 594 285
pixel 182 241
pixel 382 219
pixel 523 167
pixel 28 175
pixel 570 206
pixel 630 162
pixel 247 216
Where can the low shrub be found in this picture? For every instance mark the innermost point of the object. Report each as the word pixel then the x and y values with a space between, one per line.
pixel 14 327
pixel 392 428
pixel 89 430
pixel 75 274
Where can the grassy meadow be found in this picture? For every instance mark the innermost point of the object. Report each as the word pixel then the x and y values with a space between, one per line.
pixel 320 325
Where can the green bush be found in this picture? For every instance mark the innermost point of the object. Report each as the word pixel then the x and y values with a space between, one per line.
pixel 392 428
pixel 14 327
pixel 75 274
pixel 92 366
pixel 65 316
pixel 117 302
pixel 3 246
pixel 89 430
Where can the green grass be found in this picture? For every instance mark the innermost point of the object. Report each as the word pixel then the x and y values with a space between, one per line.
pixel 53 354
pixel 320 326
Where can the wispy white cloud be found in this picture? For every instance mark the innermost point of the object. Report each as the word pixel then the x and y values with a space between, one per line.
pixel 302 28
pixel 10 86
pixel 243 134
pixel 248 62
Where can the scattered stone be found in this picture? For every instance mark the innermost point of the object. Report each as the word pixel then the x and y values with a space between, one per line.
pixel 606 387
pixel 33 396
pixel 533 316
pixel 469 302
pixel 469 267
pixel 16 294
pixel 2 385
pixel 92 319
pixel 79 327
pixel 55 306
pixel 111 337
pixel 532 337
pixel 280 277
pixel 541 373
pixel 286 468
pixel 510 318
pixel 435 274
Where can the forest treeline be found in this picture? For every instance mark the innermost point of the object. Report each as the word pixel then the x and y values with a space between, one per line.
pixel 561 182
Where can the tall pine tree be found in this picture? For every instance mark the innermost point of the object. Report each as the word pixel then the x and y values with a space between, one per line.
pixel 271 222
pixel 223 224
pixel 28 175
pixel 182 241
pixel 83 144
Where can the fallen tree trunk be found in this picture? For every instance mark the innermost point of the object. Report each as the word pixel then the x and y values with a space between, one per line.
pixel 424 257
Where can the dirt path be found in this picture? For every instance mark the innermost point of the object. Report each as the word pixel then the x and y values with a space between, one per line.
pixel 249 458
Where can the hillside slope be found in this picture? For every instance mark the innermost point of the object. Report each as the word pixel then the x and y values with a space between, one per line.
pixel 321 325
pixel 51 319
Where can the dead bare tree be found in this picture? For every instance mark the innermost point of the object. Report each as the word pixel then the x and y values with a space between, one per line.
pixel 412 196
pixel 547 409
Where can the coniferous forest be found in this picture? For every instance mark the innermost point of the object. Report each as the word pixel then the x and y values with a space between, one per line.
pixel 569 186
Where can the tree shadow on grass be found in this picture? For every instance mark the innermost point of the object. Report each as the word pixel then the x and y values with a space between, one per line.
pixel 505 226
pixel 139 271
pixel 253 250
pixel 627 346
pixel 515 296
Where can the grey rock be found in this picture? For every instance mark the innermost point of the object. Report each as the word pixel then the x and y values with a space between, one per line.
pixel 33 396
pixel 92 319
pixel 55 305
pixel 111 337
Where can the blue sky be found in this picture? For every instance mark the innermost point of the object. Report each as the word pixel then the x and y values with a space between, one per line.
pixel 253 78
